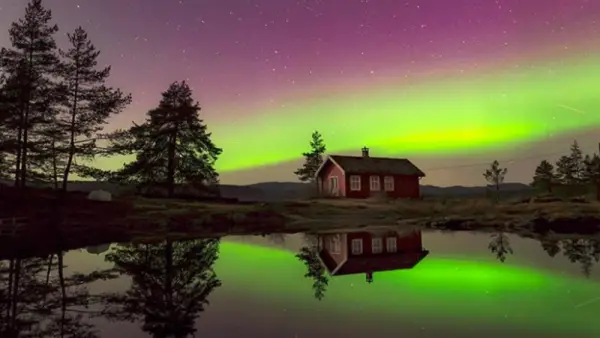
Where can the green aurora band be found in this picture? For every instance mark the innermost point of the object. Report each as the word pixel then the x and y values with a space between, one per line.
pixel 453 115
pixel 456 291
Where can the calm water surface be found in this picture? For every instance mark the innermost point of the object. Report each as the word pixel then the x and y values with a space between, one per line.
pixel 469 285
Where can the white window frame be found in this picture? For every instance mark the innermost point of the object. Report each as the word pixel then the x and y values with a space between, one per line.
pixel 388 183
pixel 355 182
pixel 375 183
pixel 335 245
pixel 376 243
pixel 391 244
pixel 357 246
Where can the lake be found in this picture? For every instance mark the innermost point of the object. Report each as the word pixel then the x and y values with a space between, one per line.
pixel 460 284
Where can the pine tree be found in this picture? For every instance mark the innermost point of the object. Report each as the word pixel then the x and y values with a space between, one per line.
pixel 591 171
pixel 495 175
pixel 89 103
pixel 577 164
pixel 32 60
pixel 171 146
pixel 312 159
pixel 544 176
pixel 565 171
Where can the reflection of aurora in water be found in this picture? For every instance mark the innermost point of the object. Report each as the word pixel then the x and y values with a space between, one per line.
pixel 439 290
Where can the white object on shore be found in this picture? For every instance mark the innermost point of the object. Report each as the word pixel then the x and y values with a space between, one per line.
pixel 100 195
pixel 98 249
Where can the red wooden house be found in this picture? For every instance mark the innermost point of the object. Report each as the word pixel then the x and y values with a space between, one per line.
pixel 365 176
pixel 356 252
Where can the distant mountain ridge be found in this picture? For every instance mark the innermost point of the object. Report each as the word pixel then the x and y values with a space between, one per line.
pixel 278 191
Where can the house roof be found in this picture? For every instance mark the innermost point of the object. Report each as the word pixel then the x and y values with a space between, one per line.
pixel 383 165
pixel 374 263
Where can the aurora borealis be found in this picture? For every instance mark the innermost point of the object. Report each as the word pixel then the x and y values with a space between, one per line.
pixel 412 78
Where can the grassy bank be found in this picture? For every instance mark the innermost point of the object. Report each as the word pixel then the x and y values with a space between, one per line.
pixel 540 215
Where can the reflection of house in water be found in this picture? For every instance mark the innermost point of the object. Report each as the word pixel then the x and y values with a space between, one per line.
pixel 355 252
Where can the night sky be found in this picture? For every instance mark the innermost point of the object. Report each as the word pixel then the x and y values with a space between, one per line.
pixel 383 73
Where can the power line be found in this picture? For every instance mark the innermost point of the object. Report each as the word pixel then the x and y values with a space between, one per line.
pixel 517 159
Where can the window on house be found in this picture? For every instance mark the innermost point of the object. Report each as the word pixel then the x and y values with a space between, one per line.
pixel 357 246
pixel 335 244
pixel 375 183
pixel 376 245
pixel 388 183
pixel 355 182
pixel 391 244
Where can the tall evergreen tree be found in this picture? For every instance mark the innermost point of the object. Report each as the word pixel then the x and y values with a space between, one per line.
pixel 312 159
pixel 591 172
pixel 565 171
pixel 544 176
pixel 171 146
pixel 33 60
pixel 89 102
pixel 577 164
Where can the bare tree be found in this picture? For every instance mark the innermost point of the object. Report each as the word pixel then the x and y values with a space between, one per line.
pixel 495 175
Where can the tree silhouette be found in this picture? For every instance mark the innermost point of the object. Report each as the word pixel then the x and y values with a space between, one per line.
pixel 315 270
pixel 586 252
pixel 500 246
pixel 495 175
pixel 544 176
pixel 172 146
pixel 32 63
pixel 38 300
pixel 551 246
pixel 88 101
pixel 312 159
pixel 570 169
pixel 170 285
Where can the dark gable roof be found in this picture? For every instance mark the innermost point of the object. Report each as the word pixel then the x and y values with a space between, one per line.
pixel 373 263
pixel 383 165
pixel 379 263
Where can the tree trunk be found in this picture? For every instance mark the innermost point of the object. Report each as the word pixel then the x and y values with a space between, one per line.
pixel 11 269
pixel 19 149
pixel 171 166
pixel 54 166
pixel 15 293
pixel 25 124
pixel 50 260
pixel 168 297
pixel 63 293
pixel 72 133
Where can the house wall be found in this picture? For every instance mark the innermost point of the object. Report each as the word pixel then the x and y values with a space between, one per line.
pixel 326 242
pixel 404 186
pixel 330 169
pixel 406 243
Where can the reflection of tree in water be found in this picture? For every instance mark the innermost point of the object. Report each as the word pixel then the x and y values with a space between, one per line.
pixel 315 270
pixel 170 285
pixel 38 300
pixel 584 251
pixel 500 246
pixel 551 247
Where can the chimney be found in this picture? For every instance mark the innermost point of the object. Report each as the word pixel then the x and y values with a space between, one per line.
pixel 365 152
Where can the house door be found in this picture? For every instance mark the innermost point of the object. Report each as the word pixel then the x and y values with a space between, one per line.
pixel 333 185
